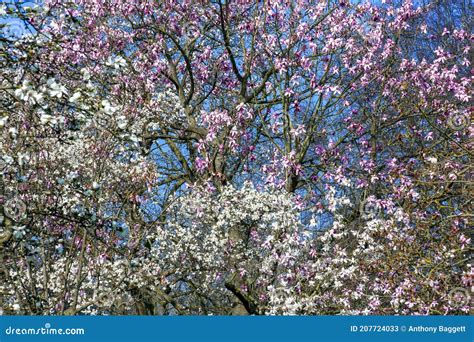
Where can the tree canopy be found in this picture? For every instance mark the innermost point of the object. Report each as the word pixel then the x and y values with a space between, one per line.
pixel 236 157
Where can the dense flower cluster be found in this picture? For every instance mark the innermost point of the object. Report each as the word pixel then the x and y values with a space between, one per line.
pixel 240 240
pixel 102 286
pixel 381 265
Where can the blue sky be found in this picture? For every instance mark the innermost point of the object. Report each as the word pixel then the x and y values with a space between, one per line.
pixel 14 27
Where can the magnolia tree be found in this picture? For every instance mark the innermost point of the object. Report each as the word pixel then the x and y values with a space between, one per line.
pixel 234 157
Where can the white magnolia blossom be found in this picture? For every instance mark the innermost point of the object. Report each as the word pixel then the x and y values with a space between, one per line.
pixel 75 97
pixel 104 284
pixel 3 9
pixel 117 62
pixel 56 89
pixel 247 237
pixel 28 94
pixel 3 121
